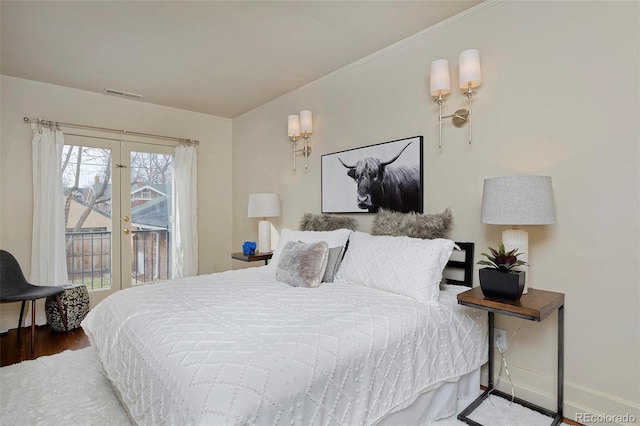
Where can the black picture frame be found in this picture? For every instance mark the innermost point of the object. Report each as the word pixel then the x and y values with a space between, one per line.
pixel 401 190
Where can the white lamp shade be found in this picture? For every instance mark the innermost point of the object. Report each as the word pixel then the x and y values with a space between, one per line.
pixel 306 122
pixel 293 125
pixel 518 200
pixel 469 73
pixel 264 205
pixel 439 82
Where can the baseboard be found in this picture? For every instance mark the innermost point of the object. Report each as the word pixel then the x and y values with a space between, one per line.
pixel 580 402
pixel 10 314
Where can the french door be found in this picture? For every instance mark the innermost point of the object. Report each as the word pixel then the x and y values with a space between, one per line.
pixel 118 198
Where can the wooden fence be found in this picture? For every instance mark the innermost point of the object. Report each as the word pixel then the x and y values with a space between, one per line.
pixel 89 257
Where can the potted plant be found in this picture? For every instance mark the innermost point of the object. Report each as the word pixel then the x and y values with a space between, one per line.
pixel 499 279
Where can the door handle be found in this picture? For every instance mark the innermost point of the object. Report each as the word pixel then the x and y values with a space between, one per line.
pixel 126 231
pixel 126 218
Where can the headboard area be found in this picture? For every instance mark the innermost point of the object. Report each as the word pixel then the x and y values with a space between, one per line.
pixel 459 269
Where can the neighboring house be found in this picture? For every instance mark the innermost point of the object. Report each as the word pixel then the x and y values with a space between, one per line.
pixel 89 250
pixel 153 214
pixel 97 220
pixel 150 219
pixel 143 192
pixel 150 207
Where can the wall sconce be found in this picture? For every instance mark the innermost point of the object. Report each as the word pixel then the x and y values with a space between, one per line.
pixel 469 77
pixel 297 127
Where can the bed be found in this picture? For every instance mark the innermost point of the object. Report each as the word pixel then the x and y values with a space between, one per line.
pixel 242 347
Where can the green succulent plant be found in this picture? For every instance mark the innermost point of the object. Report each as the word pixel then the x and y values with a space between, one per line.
pixel 502 260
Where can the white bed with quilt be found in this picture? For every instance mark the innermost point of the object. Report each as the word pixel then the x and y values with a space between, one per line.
pixel 381 344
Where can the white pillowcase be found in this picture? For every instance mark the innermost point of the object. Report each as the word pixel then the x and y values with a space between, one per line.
pixel 402 265
pixel 337 238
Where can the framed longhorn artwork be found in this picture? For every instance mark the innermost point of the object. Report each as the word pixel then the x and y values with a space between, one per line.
pixel 382 176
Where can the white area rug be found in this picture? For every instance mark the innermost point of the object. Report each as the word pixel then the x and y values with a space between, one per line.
pixel 70 389
pixel 64 389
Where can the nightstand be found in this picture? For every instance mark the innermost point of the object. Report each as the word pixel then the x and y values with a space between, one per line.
pixel 536 305
pixel 253 257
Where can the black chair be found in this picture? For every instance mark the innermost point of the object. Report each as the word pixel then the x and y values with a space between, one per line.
pixel 15 288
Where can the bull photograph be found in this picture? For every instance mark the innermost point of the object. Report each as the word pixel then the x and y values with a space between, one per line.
pixel 382 176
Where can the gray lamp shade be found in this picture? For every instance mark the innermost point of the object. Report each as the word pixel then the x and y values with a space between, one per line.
pixel 264 205
pixel 518 200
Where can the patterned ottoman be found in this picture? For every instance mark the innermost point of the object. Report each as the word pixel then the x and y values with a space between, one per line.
pixel 75 302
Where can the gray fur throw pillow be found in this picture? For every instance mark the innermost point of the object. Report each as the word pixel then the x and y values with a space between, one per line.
pixel 428 226
pixel 302 264
pixel 326 222
pixel 333 262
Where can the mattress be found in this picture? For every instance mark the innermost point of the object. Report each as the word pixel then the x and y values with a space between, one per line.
pixel 240 348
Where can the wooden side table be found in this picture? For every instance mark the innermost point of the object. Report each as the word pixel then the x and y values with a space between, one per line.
pixel 536 305
pixel 253 257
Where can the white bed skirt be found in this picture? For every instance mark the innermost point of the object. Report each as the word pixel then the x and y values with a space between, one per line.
pixel 437 403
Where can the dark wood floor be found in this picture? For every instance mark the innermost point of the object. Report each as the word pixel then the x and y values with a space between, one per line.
pixel 48 342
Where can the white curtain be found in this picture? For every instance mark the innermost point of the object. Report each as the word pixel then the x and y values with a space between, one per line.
pixel 48 252
pixel 184 247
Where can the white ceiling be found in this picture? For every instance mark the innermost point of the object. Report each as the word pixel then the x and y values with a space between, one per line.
pixel 216 57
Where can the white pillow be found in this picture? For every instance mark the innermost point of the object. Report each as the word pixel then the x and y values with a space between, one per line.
pixel 402 265
pixel 337 238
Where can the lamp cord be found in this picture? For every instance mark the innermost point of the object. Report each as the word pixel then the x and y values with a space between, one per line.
pixel 504 366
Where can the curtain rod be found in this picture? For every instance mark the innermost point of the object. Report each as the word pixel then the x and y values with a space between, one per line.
pixel 48 123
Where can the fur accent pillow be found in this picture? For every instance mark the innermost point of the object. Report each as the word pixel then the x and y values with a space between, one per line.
pixel 427 226
pixel 302 264
pixel 337 238
pixel 326 222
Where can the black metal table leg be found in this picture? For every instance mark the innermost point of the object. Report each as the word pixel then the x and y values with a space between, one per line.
pixel 491 339
pixel 560 395
pixel 557 416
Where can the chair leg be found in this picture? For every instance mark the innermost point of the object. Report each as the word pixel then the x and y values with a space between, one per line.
pixel 20 320
pixel 33 325
pixel 62 314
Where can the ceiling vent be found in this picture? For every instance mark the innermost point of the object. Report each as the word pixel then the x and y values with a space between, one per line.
pixel 123 94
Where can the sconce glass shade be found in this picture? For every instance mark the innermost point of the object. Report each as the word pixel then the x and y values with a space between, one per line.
pixel 264 205
pixel 469 74
pixel 439 82
pixel 293 126
pixel 518 200
pixel 306 125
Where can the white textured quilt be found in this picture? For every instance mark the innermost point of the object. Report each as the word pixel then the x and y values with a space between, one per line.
pixel 240 348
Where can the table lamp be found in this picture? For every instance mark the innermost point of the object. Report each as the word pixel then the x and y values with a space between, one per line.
pixel 264 205
pixel 518 200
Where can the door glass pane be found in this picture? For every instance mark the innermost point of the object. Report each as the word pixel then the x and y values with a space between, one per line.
pixel 86 174
pixel 150 196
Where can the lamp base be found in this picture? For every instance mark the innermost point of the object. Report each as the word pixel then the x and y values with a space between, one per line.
pixel 518 238
pixel 264 236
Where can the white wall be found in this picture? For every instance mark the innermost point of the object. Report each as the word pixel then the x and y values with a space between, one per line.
pixel 24 98
pixel 560 97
